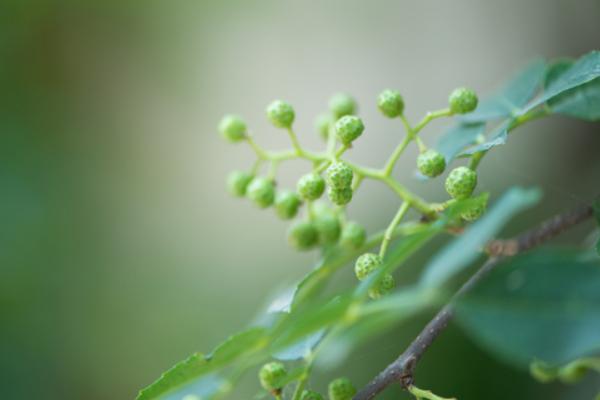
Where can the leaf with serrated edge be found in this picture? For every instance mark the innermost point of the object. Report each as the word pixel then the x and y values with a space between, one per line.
pixel 512 97
pixel 543 305
pixel 584 70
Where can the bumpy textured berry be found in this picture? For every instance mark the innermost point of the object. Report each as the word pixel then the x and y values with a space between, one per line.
pixel 329 228
pixel 342 105
pixel 461 182
pixel 383 287
pixel 281 114
pixel 462 101
pixel 474 213
pixel 341 389
pixel 261 191
pixel 238 181
pixel 339 197
pixel 349 128
pixel 310 395
pixel 365 264
pixel 233 128
pixel 431 163
pixel 271 374
pixel 391 103
pixel 303 235
pixel 311 186
pixel 339 175
pixel 322 124
pixel 286 204
pixel 353 235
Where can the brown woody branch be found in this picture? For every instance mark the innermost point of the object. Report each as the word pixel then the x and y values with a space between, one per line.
pixel 402 369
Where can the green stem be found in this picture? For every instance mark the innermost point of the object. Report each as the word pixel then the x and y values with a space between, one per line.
pixel 476 159
pixel 387 237
pixel 425 394
pixel 430 116
pixel 389 166
pixel 408 196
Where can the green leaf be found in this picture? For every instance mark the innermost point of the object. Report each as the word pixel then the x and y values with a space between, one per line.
pixel 183 372
pixel 301 349
pixel 497 138
pixel 235 347
pixel 463 250
pixel 584 70
pixel 543 306
pixel 512 97
pixel 373 319
pixel 458 138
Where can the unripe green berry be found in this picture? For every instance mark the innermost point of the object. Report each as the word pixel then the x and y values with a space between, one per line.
pixel 341 105
pixel 281 114
pixel 365 264
pixel 261 191
pixel 238 181
pixel 383 287
pixel 303 235
pixel 310 395
pixel 339 197
pixel 474 213
pixel 341 389
pixel 391 103
pixel 233 128
pixel 462 101
pixel 311 186
pixel 431 163
pixel 339 175
pixel 271 375
pixel 286 204
pixel 353 235
pixel 322 123
pixel 461 182
pixel 329 228
pixel 349 128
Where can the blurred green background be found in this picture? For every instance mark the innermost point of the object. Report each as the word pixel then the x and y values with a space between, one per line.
pixel 120 250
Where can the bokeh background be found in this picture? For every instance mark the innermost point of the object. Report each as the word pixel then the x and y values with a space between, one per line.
pixel 120 250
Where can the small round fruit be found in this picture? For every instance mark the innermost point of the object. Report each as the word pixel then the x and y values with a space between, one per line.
pixel 286 204
pixel 233 128
pixel 310 395
pixel 237 182
pixel 322 123
pixel 383 287
pixel 365 264
pixel 462 101
pixel 311 186
pixel 339 197
pixel 281 114
pixel 391 103
pixel 474 213
pixel 431 163
pixel 353 235
pixel 349 128
pixel 303 235
pixel 261 191
pixel 271 374
pixel 339 175
pixel 329 228
pixel 341 105
pixel 341 389
pixel 461 182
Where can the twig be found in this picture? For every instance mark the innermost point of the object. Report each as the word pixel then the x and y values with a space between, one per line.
pixel 402 369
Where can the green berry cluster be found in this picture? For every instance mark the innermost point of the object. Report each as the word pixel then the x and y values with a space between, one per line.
pixel 340 127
